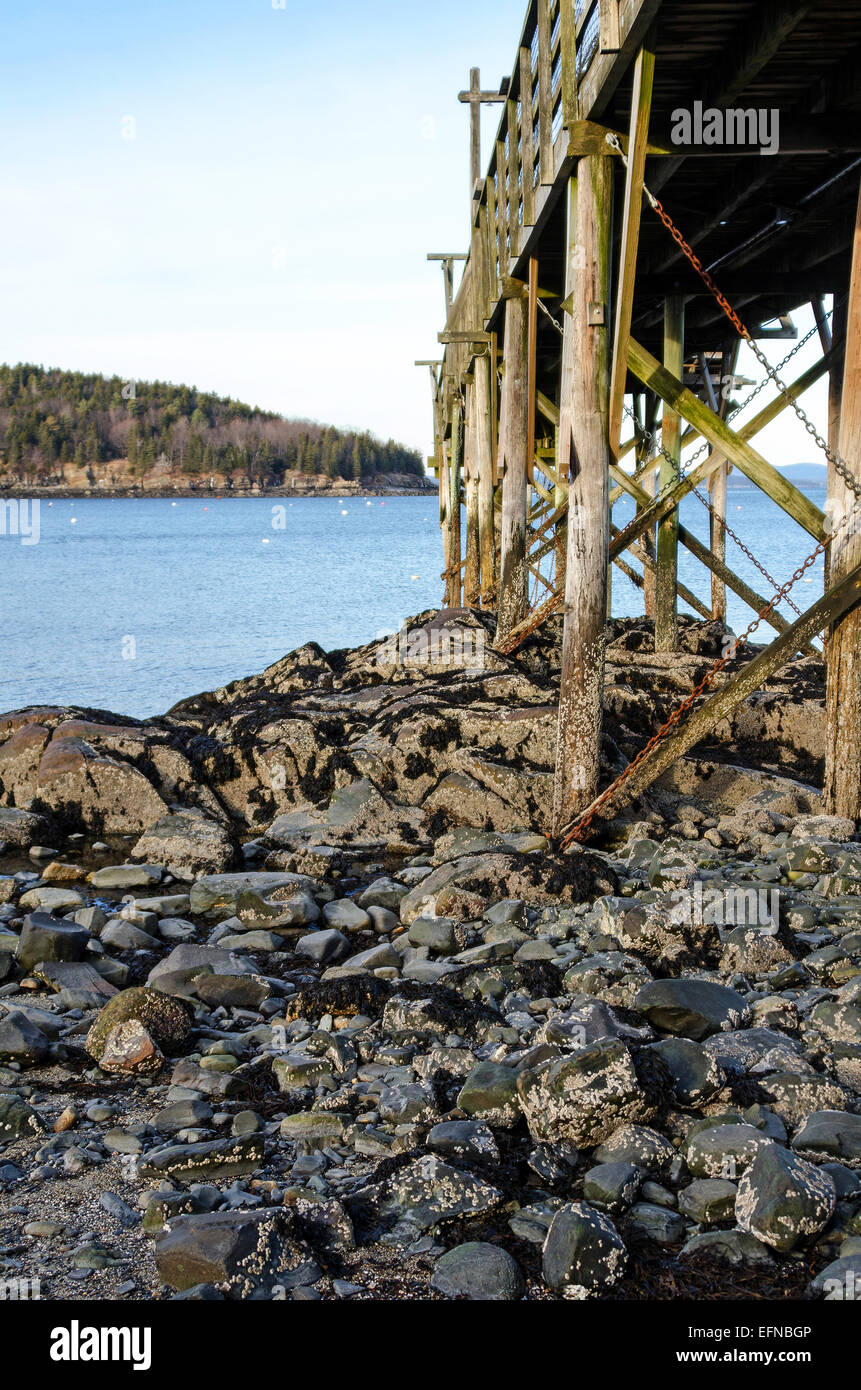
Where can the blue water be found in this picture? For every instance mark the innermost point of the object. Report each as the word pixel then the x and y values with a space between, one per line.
pixel 205 601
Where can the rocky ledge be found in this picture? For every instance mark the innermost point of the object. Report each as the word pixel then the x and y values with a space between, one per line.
pixel 298 1002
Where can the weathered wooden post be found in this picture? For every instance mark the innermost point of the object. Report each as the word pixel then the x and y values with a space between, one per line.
pixel 476 98
pixel 472 572
pixel 484 292
pixel 843 704
pixel 666 599
pixel 484 467
pixel 584 451
pixel 454 480
pixel 644 453
pixel 513 462
pixel 836 340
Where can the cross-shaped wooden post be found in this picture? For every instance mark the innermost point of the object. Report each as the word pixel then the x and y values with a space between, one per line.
pixel 448 259
pixel 476 99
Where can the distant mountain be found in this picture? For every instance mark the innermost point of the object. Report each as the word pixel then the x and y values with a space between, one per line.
pixel 801 474
pixel 85 430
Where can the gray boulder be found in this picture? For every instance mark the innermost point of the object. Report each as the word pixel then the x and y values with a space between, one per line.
pixel 479 1272
pixel 691 1008
pixel 583 1252
pixel 783 1200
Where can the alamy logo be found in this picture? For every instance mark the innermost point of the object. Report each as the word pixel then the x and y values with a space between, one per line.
pixel 437 646
pixel 20 519
pixel 710 126
pixel 699 906
pixel 846 1290
pixel 76 1343
pixel 20 1290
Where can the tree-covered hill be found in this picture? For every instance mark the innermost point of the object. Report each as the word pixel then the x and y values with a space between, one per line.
pixel 54 423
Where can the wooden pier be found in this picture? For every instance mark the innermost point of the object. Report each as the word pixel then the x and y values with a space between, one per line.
pixel 669 179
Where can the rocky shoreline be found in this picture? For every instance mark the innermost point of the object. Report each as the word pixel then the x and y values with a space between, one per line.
pixel 297 1001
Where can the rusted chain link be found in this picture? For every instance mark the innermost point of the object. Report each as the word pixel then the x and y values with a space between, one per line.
pixel 839 464
pixel 680 477
pixel 577 831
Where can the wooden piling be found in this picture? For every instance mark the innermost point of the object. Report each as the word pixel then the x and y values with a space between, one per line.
pixel 584 445
pixel 484 467
pixel 843 702
pixel 455 572
pixel 513 462
pixel 666 604
pixel 472 570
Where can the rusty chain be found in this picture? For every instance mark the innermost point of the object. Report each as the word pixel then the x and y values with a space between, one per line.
pixel 772 373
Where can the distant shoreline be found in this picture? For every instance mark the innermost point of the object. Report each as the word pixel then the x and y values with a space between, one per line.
pixel 49 494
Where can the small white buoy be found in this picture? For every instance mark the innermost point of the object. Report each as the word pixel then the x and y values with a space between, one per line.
pixel 266 542
pixel 414 577
pixel 73 520
pixel 345 513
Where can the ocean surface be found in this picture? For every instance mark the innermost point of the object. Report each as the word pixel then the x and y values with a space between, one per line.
pixel 132 605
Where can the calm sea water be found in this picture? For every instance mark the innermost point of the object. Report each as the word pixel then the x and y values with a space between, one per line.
pixel 133 605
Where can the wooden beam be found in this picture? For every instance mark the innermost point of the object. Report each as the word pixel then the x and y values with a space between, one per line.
pixel 568 53
pixel 674 394
pixel 843 700
pixel 584 449
pixel 641 106
pixel 666 611
pixel 545 98
pixel 527 149
pixel 610 32
pixel 590 137
pixel 532 367
pixel 717 567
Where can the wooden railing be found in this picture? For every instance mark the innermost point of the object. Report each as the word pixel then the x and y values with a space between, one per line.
pixel 559 44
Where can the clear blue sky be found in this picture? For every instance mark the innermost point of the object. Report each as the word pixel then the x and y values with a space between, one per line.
pixel 264 233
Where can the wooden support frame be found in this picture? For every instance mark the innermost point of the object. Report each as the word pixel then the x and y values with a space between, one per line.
pixel 702 553
pixel 841 599
pixel 674 394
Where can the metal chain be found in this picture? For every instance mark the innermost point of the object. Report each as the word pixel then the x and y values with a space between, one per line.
pixel 547 314
pixel 680 477
pixel 839 464
pixel 576 832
